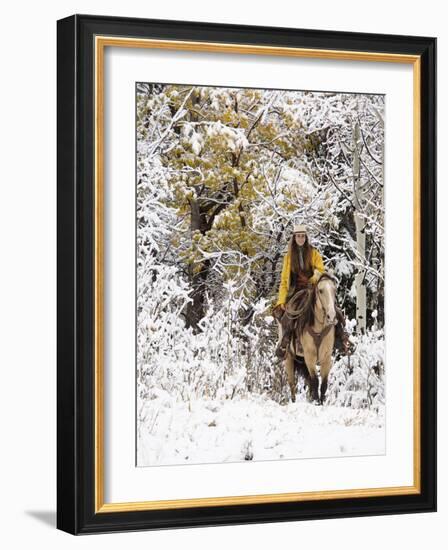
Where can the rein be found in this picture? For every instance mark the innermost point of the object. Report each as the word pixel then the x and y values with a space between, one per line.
pixel 294 314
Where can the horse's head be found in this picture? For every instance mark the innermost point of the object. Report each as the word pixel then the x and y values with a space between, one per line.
pixel 325 292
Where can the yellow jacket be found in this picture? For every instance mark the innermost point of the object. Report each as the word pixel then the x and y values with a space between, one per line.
pixel 316 263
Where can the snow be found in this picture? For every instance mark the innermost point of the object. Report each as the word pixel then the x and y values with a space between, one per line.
pixel 211 389
pixel 343 267
pixel 254 428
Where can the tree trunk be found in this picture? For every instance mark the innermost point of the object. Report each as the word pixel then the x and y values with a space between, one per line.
pixel 359 278
pixel 360 237
pixel 196 309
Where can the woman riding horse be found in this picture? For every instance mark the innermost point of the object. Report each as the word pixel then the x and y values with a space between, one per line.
pixel 302 265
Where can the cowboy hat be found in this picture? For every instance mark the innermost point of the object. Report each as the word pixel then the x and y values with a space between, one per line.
pixel 299 228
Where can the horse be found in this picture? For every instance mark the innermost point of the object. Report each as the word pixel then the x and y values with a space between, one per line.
pixel 312 338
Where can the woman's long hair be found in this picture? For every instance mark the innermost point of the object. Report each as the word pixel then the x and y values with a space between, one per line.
pixel 301 275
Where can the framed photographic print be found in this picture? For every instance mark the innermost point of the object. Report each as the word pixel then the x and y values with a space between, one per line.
pixel 246 274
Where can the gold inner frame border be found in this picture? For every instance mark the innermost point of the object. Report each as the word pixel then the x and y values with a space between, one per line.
pixel 101 42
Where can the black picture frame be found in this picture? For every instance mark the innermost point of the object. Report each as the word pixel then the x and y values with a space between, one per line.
pixel 77 511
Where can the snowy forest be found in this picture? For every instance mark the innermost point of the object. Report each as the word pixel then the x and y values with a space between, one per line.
pixel 223 174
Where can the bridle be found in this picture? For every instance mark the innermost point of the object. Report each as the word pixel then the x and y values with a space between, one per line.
pixel 317 297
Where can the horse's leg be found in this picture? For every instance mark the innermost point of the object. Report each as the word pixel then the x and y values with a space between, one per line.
pixel 310 356
pixel 326 362
pixel 314 387
pixel 289 365
pixel 301 371
pixel 325 366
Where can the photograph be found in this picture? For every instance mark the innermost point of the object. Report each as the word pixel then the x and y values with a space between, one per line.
pixel 260 254
pixel 246 274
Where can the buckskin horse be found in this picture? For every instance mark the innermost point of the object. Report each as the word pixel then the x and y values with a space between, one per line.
pixel 314 319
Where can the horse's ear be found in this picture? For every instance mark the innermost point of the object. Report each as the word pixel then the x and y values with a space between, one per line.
pixel 317 275
pixel 330 272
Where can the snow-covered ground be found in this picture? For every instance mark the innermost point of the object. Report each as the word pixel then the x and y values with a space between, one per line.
pixel 253 428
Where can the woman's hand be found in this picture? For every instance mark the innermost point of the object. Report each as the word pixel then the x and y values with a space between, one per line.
pixel 278 311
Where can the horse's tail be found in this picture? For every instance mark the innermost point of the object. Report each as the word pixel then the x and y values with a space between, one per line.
pixel 300 367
